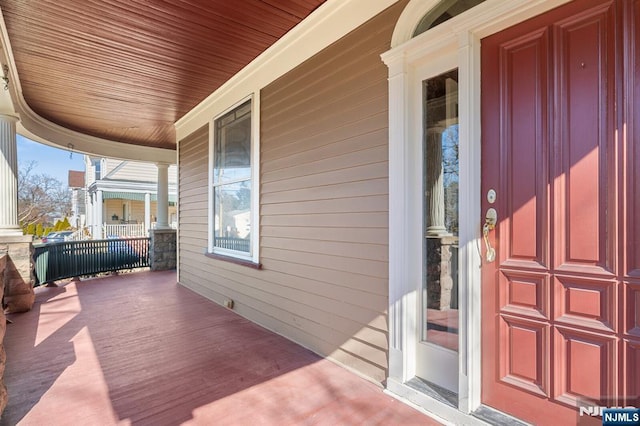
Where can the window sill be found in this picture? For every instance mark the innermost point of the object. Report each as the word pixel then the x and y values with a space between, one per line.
pixel 235 260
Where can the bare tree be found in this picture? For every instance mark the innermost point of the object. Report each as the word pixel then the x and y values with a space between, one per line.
pixel 40 197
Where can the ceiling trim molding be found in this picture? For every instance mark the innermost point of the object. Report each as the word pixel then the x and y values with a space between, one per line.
pixel 327 24
pixel 41 130
pixel 127 186
pixel 38 129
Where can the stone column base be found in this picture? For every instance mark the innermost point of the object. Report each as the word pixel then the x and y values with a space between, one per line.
pixel 440 280
pixel 18 275
pixel 162 249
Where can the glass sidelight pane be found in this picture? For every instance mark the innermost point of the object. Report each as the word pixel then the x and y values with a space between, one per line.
pixel 441 179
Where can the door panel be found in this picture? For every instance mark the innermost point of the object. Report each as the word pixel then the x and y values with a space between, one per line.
pixel 631 365
pixel 630 383
pixel 586 303
pixel 632 264
pixel 633 309
pixel 523 362
pixel 585 366
pixel 525 294
pixel 524 67
pixel 585 72
pixel 560 146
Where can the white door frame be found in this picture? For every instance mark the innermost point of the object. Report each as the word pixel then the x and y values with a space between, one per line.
pixel 461 35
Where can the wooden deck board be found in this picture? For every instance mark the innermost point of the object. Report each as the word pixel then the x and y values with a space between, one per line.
pixel 138 349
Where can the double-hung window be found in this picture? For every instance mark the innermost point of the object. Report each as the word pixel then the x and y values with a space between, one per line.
pixel 233 206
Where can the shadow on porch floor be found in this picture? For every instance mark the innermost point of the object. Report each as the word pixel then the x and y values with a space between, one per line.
pixel 139 349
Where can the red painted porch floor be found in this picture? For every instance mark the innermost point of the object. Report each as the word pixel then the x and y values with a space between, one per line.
pixel 138 349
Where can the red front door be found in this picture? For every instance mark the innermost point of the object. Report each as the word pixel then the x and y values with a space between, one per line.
pixel 561 150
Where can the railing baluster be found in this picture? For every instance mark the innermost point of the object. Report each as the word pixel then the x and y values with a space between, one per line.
pixel 231 243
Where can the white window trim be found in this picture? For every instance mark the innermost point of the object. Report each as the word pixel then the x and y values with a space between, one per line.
pixel 461 34
pixel 254 257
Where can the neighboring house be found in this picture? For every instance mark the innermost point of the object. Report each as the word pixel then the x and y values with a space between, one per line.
pixel 121 197
pixel 371 168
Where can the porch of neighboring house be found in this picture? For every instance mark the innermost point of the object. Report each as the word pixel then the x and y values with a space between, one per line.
pixel 139 349
pixel 132 214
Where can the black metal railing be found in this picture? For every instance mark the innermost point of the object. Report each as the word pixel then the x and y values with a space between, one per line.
pixel 79 258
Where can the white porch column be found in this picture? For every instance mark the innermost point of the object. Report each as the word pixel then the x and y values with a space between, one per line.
pixel 97 215
pixel 147 213
pixel 89 210
pixel 9 224
pixel 435 183
pixel 163 196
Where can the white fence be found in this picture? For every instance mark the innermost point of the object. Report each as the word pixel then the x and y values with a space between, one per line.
pixel 79 235
pixel 126 230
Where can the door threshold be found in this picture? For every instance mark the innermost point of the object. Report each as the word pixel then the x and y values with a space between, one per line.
pixel 495 417
pixel 434 391
pixel 442 404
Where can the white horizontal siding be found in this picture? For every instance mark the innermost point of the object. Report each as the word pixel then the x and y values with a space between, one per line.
pixel 135 171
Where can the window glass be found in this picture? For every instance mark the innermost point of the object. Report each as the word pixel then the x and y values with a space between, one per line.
pixel 233 146
pixel 232 180
pixel 440 285
pixel 97 168
pixel 442 12
pixel 232 205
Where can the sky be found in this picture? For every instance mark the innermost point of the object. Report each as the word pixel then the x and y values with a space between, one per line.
pixel 51 161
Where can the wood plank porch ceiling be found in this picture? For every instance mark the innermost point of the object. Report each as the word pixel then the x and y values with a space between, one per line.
pixel 126 70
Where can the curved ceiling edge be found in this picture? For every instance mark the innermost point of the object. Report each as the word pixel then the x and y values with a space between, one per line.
pixel 39 129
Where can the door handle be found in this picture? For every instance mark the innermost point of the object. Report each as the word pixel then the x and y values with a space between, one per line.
pixel 490 221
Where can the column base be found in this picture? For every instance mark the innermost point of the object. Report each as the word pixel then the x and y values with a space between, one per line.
pixel 162 249
pixel 12 231
pixel 18 276
pixel 437 232
pixel 441 274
